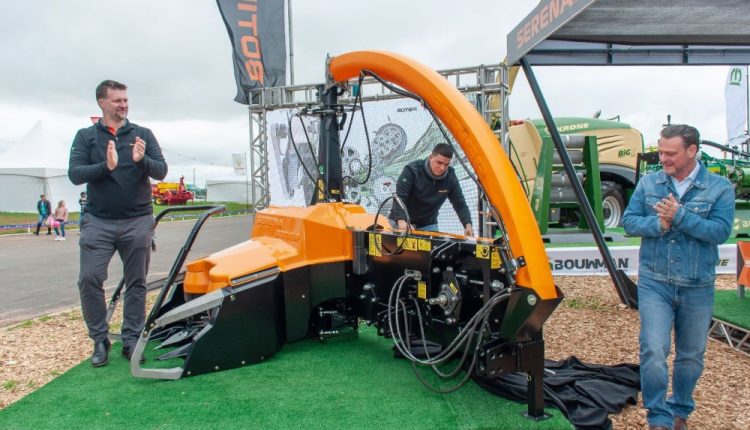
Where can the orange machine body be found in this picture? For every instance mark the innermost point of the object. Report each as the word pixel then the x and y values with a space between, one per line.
pixel 283 237
pixel 292 237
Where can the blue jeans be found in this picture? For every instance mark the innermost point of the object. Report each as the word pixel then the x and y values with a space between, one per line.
pixel 663 306
pixel 62 227
pixel 430 227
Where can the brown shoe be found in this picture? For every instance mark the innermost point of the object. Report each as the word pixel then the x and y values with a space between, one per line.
pixel 680 423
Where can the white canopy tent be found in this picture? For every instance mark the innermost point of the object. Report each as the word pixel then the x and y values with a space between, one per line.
pixel 36 164
pixel 228 190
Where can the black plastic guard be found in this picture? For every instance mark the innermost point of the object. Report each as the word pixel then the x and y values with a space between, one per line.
pixel 248 327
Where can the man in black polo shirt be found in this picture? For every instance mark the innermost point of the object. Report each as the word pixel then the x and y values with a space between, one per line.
pixel 115 158
pixel 424 185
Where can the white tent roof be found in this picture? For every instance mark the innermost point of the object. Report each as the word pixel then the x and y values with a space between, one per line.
pixel 36 164
pixel 38 148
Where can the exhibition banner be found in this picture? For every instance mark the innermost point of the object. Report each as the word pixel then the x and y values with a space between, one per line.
pixel 589 261
pixel 256 31
pixel 397 132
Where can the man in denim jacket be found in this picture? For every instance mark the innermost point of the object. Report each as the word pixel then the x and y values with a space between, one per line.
pixel 682 214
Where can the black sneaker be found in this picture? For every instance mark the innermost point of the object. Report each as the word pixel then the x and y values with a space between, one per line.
pixel 127 352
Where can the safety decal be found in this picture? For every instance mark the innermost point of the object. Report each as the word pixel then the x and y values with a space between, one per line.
pixel 495 259
pixel 410 243
pixel 422 290
pixel 376 244
pixel 424 245
pixel 483 251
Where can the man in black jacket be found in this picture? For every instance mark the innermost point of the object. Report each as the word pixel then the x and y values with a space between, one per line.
pixel 115 158
pixel 424 185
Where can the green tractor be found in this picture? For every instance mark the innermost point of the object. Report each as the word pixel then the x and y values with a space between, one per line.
pixel 606 157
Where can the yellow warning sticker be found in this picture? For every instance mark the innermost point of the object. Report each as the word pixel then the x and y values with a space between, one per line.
pixel 376 244
pixel 483 251
pixel 410 243
pixel 495 260
pixel 424 244
pixel 453 288
pixel 422 290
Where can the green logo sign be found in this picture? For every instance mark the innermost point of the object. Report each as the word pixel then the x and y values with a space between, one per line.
pixel 735 76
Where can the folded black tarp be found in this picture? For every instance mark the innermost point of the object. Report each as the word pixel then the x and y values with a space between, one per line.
pixel 585 393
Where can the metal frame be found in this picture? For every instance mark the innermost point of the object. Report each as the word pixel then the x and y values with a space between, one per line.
pixel 485 81
pixel 737 337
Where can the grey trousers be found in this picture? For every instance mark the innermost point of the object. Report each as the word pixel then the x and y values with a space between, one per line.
pixel 99 240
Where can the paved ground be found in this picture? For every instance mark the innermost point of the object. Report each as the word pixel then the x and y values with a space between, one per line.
pixel 38 275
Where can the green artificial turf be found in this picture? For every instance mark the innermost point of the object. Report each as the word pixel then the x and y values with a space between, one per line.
pixel 351 383
pixel 732 309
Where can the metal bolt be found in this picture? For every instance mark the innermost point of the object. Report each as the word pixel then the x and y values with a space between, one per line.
pixel 373 300
pixel 304 296
pixel 232 298
pixel 531 299
pixel 496 285
pixel 243 362
pixel 497 321
pixel 189 373
pixel 368 286
pixel 435 270
pixel 216 367
pixel 362 296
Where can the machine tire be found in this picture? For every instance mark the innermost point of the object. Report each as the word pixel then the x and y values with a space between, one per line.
pixel 613 205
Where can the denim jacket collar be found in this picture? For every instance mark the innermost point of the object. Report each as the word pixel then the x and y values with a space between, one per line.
pixel 701 180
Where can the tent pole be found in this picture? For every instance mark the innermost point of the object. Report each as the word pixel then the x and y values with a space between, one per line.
pixel 626 289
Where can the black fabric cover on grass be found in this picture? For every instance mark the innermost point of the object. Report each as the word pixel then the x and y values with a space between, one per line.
pixel 585 393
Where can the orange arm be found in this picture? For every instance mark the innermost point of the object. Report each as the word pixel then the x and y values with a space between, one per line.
pixel 478 142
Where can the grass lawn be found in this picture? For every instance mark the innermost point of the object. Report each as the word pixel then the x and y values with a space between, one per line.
pixel 15 218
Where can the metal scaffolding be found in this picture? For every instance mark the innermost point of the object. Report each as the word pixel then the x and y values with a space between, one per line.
pixel 488 84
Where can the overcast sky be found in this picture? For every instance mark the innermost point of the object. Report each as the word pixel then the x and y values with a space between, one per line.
pixel 175 57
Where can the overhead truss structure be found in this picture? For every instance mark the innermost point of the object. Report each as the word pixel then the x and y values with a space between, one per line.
pixel 489 84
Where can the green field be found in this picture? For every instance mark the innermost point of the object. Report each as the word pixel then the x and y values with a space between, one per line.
pixel 14 218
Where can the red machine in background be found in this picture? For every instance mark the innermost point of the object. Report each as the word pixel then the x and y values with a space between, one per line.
pixel 171 193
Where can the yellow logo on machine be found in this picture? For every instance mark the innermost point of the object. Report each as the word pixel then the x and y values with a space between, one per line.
pixel 376 244
pixel 424 245
pixel 483 251
pixel 422 290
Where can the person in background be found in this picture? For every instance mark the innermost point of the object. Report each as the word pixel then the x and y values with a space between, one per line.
pixel 60 217
pixel 44 209
pixel 82 203
pixel 682 214
pixel 115 158
pixel 423 187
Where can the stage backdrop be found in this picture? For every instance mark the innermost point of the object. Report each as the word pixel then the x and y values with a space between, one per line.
pixel 400 131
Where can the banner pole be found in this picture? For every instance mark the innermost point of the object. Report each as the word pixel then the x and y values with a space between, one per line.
pixel 247 186
pixel 291 41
